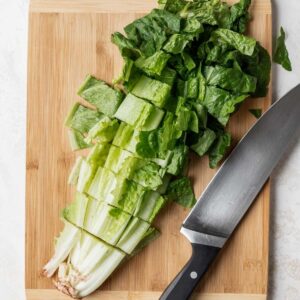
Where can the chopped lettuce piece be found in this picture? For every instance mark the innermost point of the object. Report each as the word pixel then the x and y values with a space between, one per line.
pixel 86 174
pixel 246 45
pixel 176 43
pixel 167 76
pixel 98 154
pixel 75 212
pixel 180 191
pixel 221 104
pixel 103 131
pixel 139 113
pixel 134 111
pixel 103 183
pixel 187 120
pixel 154 119
pixel 204 142
pixel 163 188
pixel 81 118
pixel 256 112
pixel 126 137
pixel 281 55
pixel 128 194
pixel 116 190
pixel 116 158
pixel 154 64
pixel 150 32
pixel 230 79
pixel 126 47
pixel 179 160
pixel 188 61
pixel 240 16
pixel 158 143
pixel 106 222
pixel 97 92
pixel 149 206
pixel 144 172
pixel 152 90
pixel 76 140
pixel 218 150
pixel 73 177
pixel 133 234
pixel 126 71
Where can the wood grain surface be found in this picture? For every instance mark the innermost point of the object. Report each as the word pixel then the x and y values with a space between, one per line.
pixel 67 40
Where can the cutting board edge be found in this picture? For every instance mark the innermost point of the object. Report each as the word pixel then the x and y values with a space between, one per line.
pixel 95 6
pixel 48 294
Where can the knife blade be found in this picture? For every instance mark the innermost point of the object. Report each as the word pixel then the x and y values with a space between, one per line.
pixel 233 189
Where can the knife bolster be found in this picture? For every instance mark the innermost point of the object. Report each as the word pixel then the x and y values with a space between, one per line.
pixel 195 237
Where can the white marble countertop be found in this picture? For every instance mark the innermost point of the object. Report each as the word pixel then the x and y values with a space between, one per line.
pixel 285 220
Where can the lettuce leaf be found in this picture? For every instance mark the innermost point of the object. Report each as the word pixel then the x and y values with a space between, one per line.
pixel 153 90
pixel 180 191
pixel 246 45
pixel 81 118
pixel 204 142
pixel 281 55
pixel 221 104
pixel 153 65
pixel 97 92
pixel 230 79
pixel 219 149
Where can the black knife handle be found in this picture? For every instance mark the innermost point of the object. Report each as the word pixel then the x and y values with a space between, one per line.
pixel 186 281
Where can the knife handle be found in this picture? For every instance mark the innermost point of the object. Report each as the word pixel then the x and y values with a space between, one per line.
pixel 186 281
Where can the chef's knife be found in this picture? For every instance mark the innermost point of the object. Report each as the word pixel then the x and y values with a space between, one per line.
pixel 233 189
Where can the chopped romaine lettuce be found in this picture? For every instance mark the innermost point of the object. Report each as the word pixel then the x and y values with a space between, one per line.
pixel 77 140
pixel 81 118
pixel 204 142
pixel 153 90
pixel 137 113
pixel 180 191
pixel 103 131
pixel 154 64
pixel 73 177
pixel 133 234
pixel 97 92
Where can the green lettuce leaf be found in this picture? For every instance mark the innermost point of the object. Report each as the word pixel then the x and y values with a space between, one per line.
pixel 219 149
pixel 97 92
pixel 150 32
pixel 204 142
pixel 139 113
pixel 77 141
pixel 176 43
pixel 230 79
pixel 81 118
pixel 256 112
pixel 240 15
pixel 103 131
pixel 179 160
pixel 152 90
pixel 153 65
pixel 246 45
pixel 221 104
pixel 281 55
pixel 180 191
pixel 127 48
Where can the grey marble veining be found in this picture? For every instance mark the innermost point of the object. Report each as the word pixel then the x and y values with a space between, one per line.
pixel 285 205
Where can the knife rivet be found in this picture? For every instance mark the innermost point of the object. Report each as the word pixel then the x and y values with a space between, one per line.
pixel 194 275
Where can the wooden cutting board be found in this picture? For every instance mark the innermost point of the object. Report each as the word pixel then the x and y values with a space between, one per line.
pixel 67 40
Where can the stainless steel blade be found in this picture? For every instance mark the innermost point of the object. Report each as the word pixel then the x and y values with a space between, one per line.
pixel 239 180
